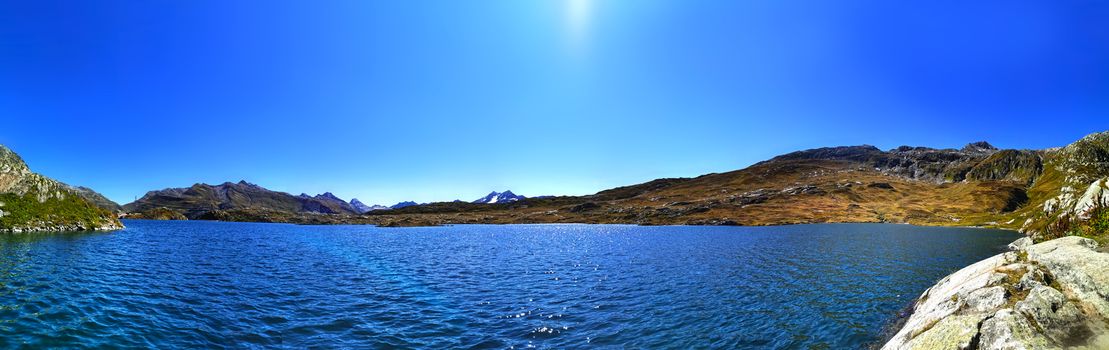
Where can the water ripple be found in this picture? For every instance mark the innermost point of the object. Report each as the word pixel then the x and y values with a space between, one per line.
pixel 209 284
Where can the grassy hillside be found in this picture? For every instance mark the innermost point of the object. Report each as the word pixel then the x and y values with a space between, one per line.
pixel 780 192
pixel 978 185
pixel 71 213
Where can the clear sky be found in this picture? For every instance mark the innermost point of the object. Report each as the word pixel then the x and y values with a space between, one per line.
pixel 437 100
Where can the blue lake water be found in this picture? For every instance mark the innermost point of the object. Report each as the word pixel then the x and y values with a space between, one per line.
pixel 243 285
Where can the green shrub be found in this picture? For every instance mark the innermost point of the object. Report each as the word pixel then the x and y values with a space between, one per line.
pixel 26 210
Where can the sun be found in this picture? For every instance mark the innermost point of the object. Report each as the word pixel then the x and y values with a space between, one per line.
pixel 578 13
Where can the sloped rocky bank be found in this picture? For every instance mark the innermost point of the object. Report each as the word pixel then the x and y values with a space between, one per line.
pixel 1051 295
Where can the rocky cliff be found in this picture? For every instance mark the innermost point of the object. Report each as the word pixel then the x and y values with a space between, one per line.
pixel 32 202
pixel 1051 295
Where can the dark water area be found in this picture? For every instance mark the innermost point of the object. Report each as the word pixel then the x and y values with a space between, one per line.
pixel 243 285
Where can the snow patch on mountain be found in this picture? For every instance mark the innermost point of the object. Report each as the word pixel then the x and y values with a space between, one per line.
pixel 499 197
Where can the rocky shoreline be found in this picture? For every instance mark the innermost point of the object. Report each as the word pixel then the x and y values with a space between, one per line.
pixel 1051 295
pixel 62 228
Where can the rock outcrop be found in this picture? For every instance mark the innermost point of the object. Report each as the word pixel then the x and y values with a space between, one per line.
pixel 1071 187
pixel 1051 295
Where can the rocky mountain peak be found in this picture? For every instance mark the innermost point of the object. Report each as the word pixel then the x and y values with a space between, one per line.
pixel 979 147
pixel 359 206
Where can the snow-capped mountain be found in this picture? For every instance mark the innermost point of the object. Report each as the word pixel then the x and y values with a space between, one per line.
pixel 362 208
pixel 499 197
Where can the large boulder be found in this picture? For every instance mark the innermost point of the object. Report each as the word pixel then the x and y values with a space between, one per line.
pixel 1052 295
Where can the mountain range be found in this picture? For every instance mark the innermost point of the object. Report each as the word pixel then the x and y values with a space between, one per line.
pixel 1038 191
pixel 206 201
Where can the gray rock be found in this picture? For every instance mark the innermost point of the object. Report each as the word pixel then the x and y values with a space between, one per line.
pixel 954 332
pixel 1067 281
pixel 1009 331
pixel 1077 266
pixel 1020 244
pixel 1032 279
pixel 998 279
pixel 985 299
pixel 1093 197
pixel 1057 317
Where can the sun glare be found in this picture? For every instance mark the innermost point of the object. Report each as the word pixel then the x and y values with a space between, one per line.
pixel 577 16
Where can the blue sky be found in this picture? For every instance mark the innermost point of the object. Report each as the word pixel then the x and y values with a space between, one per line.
pixel 437 100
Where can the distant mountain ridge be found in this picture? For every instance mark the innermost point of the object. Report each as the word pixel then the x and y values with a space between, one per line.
pixel 200 199
pixel 499 197
pixel 404 204
pixel 327 203
pixel 362 208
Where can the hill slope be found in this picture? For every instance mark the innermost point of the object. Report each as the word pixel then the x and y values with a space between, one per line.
pixel 32 202
pixel 976 185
